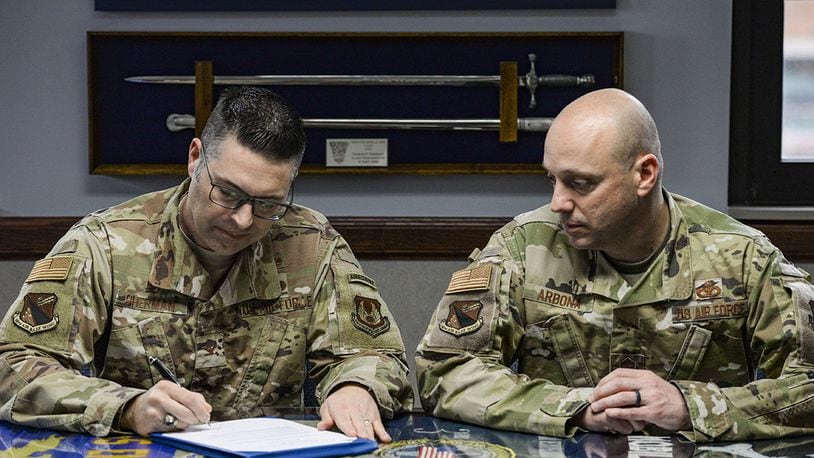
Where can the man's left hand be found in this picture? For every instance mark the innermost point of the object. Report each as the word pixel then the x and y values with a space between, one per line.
pixel 659 401
pixel 353 410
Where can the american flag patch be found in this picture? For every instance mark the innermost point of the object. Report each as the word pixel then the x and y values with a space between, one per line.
pixel 474 279
pixel 432 452
pixel 55 268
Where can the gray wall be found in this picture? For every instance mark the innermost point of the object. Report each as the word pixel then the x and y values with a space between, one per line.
pixel 676 62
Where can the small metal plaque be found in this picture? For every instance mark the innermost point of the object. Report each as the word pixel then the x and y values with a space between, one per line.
pixel 356 152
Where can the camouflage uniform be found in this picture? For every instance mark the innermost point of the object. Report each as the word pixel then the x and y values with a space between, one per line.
pixel 123 285
pixel 720 313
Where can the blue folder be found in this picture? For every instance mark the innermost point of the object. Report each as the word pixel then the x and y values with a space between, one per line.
pixel 357 447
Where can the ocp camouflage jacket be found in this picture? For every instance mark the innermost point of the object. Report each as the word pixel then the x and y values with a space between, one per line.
pixel 123 285
pixel 720 313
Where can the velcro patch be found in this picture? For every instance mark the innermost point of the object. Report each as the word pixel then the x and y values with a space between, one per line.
pixel 37 313
pixel 802 294
pixel 709 311
pixel 558 299
pixel 355 277
pixel 627 361
pixel 367 316
pixel 474 279
pixel 209 351
pixel 709 289
pixel 464 318
pixel 55 268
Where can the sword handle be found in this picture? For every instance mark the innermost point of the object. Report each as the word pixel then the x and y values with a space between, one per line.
pixel 566 81
pixel 531 81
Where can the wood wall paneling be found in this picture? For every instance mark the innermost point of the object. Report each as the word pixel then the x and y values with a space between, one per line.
pixel 30 238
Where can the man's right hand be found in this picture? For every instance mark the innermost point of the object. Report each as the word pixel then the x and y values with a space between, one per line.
pixel 601 423
pixel 146 413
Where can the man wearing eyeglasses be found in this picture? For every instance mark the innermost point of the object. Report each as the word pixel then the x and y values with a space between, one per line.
pixel 221 282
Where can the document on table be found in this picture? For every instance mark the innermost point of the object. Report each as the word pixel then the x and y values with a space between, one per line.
pixel 265 436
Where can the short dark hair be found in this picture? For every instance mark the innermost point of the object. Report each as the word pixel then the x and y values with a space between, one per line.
pixel 260 120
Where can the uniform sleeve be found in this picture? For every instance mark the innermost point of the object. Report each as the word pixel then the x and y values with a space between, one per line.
pixel 464 360
pixel 355 338
pixel 780 400
pixel 48 340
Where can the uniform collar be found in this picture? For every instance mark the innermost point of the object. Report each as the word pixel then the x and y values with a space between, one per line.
pixel 175 266
pixel 668 278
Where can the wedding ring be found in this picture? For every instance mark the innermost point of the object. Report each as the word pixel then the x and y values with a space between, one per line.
pixel 638 398
pixel 169 420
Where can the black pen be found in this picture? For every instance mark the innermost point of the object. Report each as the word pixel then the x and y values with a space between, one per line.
pixel 166 374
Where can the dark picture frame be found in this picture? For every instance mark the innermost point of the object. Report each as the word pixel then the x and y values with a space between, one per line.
pixel 128 135
pixel 344 5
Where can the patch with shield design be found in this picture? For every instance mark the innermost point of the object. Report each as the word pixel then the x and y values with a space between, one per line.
pixel 464 318
pixel 37 313
pixel 368 318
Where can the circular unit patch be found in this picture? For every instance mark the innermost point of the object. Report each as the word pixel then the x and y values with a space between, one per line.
pixel 444 448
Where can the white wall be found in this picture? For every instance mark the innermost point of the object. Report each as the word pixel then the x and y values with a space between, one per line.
pixel 676 62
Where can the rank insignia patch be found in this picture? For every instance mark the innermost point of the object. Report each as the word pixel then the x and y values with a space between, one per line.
pixel 474 279
pixel 37 313
pixel 359 278
pixel 708 289
pixel 368 318
pixel 464 318
pixel 55 268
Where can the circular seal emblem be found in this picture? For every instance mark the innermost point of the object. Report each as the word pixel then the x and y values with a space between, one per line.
pixel 444 448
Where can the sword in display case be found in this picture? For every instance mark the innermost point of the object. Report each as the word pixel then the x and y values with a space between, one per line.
pixel 177 122
pixel 531 80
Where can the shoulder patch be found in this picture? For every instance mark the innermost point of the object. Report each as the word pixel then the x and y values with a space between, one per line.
pixel 464 318
pixel 367 316
pixel 474 279
pixel 355 277
pixel 68 246
pixel 55 268
pixel 37 313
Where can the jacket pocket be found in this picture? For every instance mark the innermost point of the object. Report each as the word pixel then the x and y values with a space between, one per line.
pixel 692 352
pixel 555 340
pixel 126 360
pixel 276 372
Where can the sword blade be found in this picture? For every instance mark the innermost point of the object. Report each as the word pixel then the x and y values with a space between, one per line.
pixel 368 80
pixel 176 122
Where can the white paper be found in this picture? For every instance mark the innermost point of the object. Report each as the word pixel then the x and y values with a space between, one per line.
pixel 259 435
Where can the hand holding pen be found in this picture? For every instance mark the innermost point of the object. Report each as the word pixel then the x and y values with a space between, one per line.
pixel 166 374
pixel 167 406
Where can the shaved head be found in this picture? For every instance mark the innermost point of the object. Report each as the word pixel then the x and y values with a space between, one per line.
pixel 620 116
pixel 603 156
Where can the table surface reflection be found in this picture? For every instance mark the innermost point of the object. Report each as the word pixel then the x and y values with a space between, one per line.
pixel 417 434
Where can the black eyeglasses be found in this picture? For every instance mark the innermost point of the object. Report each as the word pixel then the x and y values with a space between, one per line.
pixel 268 209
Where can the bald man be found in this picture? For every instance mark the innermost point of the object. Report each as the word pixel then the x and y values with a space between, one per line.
pixel 620 307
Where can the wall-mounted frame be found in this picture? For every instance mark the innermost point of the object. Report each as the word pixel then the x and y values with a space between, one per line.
pixel 344 5
pixel 129 136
